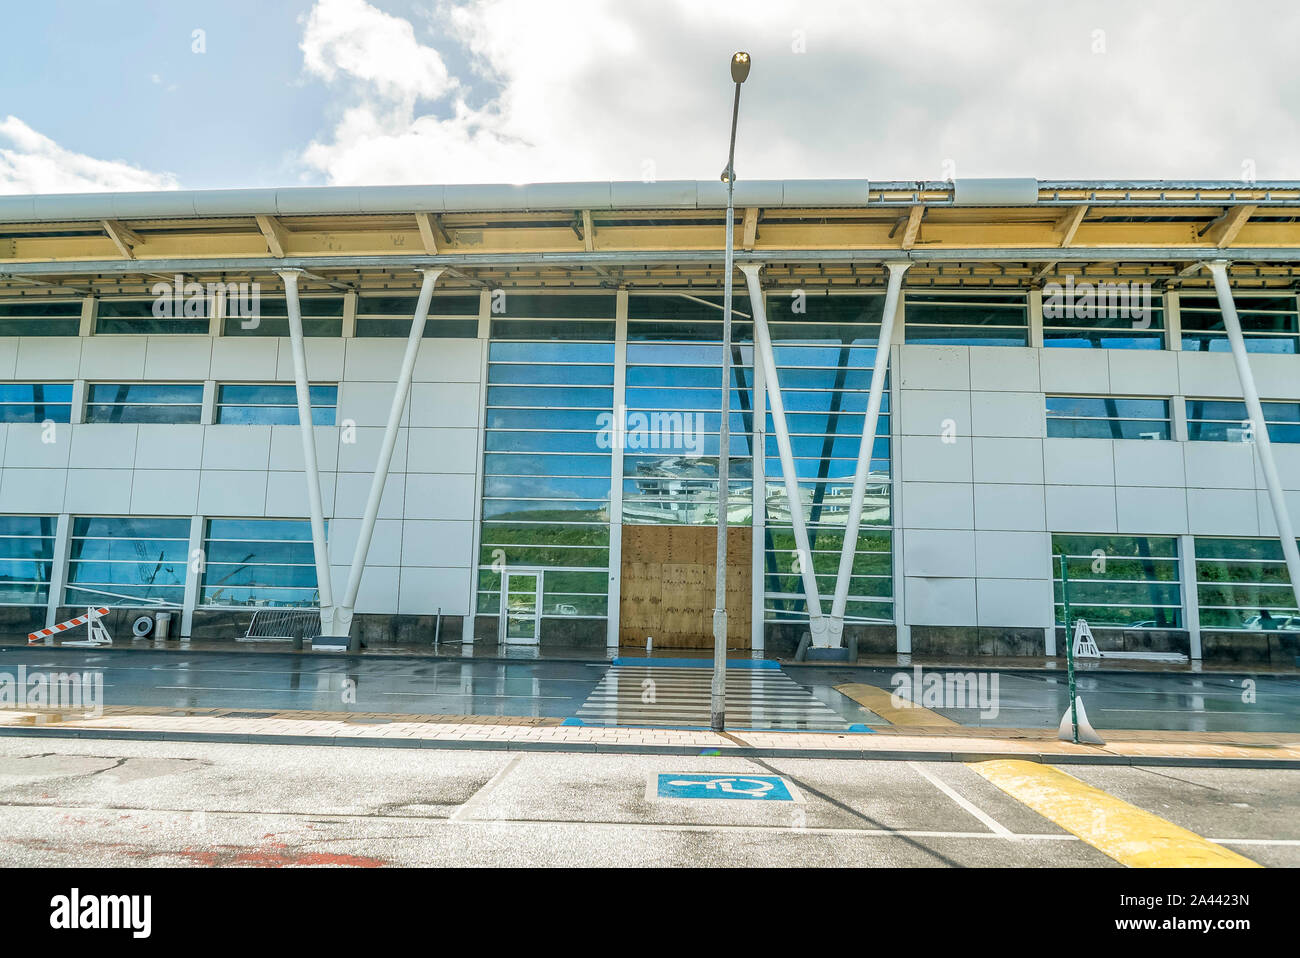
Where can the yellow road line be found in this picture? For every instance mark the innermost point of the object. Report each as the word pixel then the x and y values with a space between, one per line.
pixel 879 701
pixel 1126 833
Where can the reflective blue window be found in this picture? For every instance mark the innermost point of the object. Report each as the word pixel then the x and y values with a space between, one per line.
pixel 145 402
pixel 26 559
pixel 124 561
pixel 35 402
pixel 1220 420
pixel 1107 417
pixel 259 562
pixel 277 404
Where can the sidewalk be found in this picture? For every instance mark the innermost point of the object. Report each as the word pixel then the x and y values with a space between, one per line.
pixel 372 729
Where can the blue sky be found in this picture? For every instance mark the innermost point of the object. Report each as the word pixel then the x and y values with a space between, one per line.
pixel 111 95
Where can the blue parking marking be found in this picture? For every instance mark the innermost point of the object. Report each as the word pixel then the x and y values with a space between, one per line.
pixel 763 788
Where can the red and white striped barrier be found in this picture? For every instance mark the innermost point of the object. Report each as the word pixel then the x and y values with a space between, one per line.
pixel 34 637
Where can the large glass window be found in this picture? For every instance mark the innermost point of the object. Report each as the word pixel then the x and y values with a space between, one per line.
pixel 259 562
pixel 451 316
pixel 276 404
pixel 137 316
pixel 40 317
pixel 1107 417
pixel 1127 582
pixel 546 471
pixel 1268 323
pixel 35 402
pixel 144 402
pixel 127 561
pixel 674 403
pixel 966 319
pixel 1220 420
pixel 1104 321
pixel 1243 584
pixel 824 360
pixel 26 559
pixel 321 316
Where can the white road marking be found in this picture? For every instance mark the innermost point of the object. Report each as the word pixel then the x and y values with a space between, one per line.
pixel 477 798
pixel 942 786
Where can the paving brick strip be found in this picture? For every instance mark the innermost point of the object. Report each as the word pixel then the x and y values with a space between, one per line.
pixel 385 730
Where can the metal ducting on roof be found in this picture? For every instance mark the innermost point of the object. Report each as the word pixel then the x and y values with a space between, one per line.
pixel 993 191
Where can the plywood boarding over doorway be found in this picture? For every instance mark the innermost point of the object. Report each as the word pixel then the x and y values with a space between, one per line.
pixel 668 583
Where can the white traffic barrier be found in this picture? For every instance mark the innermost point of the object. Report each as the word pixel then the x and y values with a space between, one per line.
pixel 1085 646
pixel 98 634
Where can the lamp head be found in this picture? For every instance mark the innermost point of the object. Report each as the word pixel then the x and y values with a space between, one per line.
pixel 739 66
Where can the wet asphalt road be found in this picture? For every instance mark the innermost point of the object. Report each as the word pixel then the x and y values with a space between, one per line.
pixel 1209 701
pixel 103 803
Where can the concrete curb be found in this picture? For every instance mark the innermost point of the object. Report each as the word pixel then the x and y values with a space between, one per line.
pixel 892 755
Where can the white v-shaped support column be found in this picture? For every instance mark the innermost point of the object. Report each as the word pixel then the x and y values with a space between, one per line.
pixel 308 434
pixel 1263 445
pixel 402 389
pixel 835 627
pixel 763 346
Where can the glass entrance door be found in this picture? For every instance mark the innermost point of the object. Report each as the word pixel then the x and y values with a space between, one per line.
pixel 521 607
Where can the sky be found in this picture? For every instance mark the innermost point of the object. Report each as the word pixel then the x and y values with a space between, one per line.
pixel 192 94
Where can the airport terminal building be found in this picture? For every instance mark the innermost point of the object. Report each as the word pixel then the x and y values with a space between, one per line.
pixel 492 413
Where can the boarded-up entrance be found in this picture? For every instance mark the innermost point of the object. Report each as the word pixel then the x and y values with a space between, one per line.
pixel 668 583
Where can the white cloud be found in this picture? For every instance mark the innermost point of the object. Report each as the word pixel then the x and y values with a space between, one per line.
pixel 595 89
pixel 352 38
pixel 33 163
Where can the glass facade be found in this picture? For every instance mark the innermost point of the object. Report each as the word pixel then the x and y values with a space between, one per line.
pixel 274 404
pixel 1130 582
pixel 1242 584
pixel 450 316
pixel 259 562
pixel 674 403
pixel 144 402
pixel 1219 420
pixel 1107 417
pixel 40 318
pixel 26 559
pixel 115 560
pixel 1065 328
pixel 35 402
pixel 1268 324
pixel 321 316
pixel 956 318
pixel 547 454
pixel 824 359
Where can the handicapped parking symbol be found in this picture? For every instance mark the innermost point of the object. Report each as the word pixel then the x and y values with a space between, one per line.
pixel 756 789
pixel 762 787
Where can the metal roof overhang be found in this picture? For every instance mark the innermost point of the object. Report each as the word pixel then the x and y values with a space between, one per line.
pixel 654 235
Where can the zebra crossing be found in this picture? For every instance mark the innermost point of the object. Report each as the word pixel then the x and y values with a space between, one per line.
pixel 766 698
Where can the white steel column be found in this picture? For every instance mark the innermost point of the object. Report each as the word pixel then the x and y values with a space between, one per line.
pixel 763 347
pixel 1263 445
pixel 1191 594
pixel 308 434
pixel 758 501
pixel 196 563
pixel 617 432
pixel 401 391
pixel 850 547
pixel 58 569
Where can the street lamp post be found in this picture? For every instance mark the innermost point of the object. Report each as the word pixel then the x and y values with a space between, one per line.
pixel 717 696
